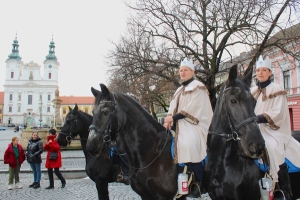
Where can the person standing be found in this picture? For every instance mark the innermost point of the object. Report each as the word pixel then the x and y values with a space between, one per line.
pixel 274 123
pixel 53 146
pixel 34 158
pixel 190 115
pixel 14 156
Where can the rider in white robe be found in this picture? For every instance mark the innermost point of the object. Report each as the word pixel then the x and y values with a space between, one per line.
pixel 274 122
pixel 190 113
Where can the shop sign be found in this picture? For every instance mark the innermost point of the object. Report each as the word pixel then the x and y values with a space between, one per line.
pixel 291 103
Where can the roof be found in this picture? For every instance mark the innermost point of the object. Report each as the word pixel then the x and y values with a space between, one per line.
pixel 291 33
pixel 1 97
pixel 71 100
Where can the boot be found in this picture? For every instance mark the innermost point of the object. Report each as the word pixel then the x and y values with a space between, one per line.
pixel 49 187
pixel 195 193
pixel 31 185
pixel 37 185
pixel 284 181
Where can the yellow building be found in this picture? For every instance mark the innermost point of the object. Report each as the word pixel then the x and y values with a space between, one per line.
pixel 85 104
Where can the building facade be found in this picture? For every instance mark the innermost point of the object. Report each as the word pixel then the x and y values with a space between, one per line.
pixel 1 107
pixel 28 95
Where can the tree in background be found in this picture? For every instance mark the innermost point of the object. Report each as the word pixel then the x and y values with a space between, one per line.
pixel 210 31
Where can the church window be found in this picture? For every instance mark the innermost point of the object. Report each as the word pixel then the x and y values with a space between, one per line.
pixel 10 109
pixel 49 75
pixel 48 109
pixel 30 99
pixel 19 108
pixel 10 97
pixel 11 74
pixel 49 97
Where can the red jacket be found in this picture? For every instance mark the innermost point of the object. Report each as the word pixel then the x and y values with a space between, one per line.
pixel 10 157
pixel 52 147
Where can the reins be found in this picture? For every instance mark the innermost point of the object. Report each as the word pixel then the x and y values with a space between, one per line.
pixel 234 135
pixel 159 154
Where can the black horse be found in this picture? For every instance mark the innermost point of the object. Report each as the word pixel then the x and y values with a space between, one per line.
pixel 234 140
pixel 121 119
pixel 100 169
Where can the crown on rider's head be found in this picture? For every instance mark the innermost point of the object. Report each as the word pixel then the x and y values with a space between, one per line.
pixel 264 63
pixel 187 63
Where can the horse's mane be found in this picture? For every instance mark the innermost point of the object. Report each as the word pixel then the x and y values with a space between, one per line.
pixel 136 104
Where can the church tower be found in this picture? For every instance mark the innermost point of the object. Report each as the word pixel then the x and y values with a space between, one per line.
pixel 51 65
pixel 14 63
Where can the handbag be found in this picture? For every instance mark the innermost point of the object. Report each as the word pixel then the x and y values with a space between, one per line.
pixel 53 155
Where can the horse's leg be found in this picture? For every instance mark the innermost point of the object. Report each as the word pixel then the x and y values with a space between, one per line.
pixel 102 189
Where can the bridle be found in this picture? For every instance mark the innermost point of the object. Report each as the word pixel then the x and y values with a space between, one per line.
pixel 106 132
pixel 68 136
pixel 234 128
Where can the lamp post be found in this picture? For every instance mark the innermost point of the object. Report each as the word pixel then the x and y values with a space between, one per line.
pixel 41 116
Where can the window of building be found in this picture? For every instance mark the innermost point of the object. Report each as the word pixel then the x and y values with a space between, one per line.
pixel 0 110
pixel 48 109
pixel 286 79
pixel 19 108
pixel 86 110
pixel 11 74
pixel 64 110
pixel 10 109
pixel 10 97
pixel 49 75
pixel 49 97
pixel 30 99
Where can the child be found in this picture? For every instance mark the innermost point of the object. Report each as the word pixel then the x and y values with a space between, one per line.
pixel 14 156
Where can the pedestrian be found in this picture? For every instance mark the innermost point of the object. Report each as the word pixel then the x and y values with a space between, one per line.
pixel 190 115
pixel 274 123
pixel 14 156
pixel 53 163
pixel 34 158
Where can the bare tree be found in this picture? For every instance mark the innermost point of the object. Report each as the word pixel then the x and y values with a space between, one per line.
pixel 209 31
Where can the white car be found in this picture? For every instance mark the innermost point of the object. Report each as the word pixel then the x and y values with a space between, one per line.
pixel 2 128
pixel 21 127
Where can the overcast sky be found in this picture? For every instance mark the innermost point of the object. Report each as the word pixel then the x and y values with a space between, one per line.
pixel 81 31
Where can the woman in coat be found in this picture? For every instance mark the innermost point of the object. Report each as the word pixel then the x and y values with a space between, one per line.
pixel 14 156
pixel 53 146
pixel 34 158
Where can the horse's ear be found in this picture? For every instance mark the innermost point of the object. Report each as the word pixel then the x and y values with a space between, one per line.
pixel 95 92
pixel 76 108
pixel 232 75
pixel 104 90
pixel 70 109
pixel 248 76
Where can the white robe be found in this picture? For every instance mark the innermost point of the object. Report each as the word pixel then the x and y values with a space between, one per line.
pixel 191 132
pixel 272 103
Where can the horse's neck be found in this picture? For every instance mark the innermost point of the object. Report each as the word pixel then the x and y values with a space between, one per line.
pixel 86 121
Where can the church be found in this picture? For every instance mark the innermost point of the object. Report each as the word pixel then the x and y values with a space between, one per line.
pixel 28 94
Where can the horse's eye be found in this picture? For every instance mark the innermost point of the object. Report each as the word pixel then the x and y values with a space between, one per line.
pixel 233 101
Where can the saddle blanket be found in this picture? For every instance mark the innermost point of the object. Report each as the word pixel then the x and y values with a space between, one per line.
pixel 291 168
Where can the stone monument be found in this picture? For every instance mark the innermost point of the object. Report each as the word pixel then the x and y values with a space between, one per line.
pixel 57 122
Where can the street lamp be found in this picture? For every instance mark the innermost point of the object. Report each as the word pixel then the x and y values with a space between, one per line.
pixel 41 116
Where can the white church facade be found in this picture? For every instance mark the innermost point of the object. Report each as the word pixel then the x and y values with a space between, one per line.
pixel 28 94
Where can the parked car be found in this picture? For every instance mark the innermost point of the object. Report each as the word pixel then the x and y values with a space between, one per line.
pixel 2 128
pixel 11 125
pixel 46 126
pixel 34 127
pixel 21 127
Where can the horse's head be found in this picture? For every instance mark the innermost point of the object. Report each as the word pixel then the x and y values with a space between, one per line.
pixel 104 112
pixel 236 107
pixel 71 128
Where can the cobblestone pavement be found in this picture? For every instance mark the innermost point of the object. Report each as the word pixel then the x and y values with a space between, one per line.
pixel 78 185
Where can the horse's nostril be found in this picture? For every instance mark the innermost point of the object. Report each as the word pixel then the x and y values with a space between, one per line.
pixel 252 148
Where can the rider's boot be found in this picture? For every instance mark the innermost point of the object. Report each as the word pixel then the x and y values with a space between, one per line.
pixel 196 192
pixel 284 181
